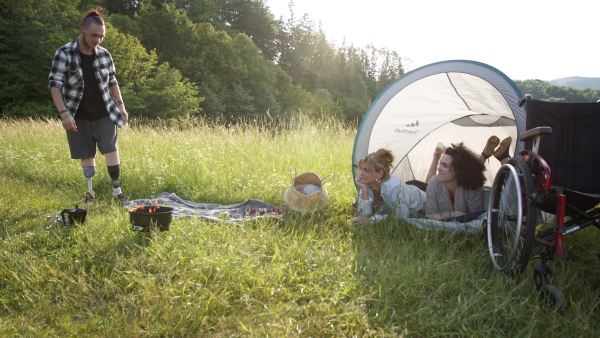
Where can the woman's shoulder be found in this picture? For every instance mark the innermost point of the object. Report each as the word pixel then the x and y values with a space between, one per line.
pixel 392 181
pixel 434 182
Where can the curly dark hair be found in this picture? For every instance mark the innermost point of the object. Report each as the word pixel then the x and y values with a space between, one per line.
pixel 382 159
pixel 468 166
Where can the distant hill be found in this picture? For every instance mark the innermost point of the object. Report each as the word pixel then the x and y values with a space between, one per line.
pixel 578 82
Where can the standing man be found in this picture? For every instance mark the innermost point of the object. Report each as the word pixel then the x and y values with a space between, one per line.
pixel 86 94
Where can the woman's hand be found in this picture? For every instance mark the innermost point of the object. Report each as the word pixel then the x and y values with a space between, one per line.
pixel 360 184
pixel 361 220
pixel 364 189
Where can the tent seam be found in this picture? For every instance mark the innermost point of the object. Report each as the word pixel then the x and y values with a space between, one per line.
pixel 456 91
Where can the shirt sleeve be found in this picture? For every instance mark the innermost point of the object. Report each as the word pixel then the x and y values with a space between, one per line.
pixel 56 78
pixel 433 193
pixel 365 207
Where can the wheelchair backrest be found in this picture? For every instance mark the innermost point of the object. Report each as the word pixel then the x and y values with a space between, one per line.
pixel 573 149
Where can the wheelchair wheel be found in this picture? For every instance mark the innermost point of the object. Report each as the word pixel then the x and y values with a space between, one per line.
pixel 511 217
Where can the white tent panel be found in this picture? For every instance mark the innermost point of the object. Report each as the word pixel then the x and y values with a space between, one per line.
pixel 480 95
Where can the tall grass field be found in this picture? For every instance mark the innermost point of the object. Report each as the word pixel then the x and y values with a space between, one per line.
pixel 310 275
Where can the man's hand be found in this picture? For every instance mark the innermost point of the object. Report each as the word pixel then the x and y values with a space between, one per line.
pixel 69 124
pixel 125 115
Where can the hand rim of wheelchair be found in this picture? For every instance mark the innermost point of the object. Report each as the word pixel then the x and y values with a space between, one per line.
pixel 510 250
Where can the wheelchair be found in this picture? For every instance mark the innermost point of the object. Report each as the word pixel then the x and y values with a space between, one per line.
pixel 555 178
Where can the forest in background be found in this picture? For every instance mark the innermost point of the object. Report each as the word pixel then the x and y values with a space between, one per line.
pixel 222 59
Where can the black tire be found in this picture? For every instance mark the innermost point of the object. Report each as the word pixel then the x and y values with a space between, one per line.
pixel 551 295
pixel 511 217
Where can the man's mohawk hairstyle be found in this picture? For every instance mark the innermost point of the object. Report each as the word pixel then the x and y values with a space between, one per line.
pixel 93 15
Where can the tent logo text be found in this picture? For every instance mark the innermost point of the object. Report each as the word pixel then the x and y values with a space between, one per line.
pixel 406 131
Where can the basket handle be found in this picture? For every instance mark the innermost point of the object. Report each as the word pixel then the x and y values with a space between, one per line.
pixel 326 178
pixel 293 174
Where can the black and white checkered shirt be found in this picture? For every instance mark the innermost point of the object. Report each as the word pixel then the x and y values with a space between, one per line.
pixel 67 75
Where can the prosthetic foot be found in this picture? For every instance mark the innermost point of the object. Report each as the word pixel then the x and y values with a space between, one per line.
pixel 118 196
pixel 90 198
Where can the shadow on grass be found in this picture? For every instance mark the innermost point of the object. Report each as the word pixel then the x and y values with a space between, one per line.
pixel 411 274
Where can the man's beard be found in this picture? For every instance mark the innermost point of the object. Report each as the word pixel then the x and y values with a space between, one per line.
pixel 88 45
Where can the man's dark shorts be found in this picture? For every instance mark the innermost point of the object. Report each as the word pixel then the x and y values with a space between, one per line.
pixel 101 133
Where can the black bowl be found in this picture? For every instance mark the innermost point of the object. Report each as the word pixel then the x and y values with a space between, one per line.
pixel 145 219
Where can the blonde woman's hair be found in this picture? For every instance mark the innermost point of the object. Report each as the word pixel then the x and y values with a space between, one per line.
pixel 382 159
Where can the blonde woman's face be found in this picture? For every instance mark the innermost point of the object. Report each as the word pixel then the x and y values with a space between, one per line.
pixel 368 175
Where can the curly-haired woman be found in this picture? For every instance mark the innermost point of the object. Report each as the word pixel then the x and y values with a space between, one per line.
pixel 457 189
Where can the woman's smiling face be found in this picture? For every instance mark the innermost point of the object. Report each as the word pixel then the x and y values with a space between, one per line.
pixel 446 172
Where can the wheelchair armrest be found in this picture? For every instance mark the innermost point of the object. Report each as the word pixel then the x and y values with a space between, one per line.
pixel 535 132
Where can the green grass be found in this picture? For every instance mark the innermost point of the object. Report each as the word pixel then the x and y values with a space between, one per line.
pixel 310 275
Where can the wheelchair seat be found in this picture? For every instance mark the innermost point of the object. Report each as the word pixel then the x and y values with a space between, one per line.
pixel 572 150
pixel 584 201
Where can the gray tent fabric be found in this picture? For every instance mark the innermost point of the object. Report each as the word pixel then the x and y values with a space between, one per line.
pixel 235 213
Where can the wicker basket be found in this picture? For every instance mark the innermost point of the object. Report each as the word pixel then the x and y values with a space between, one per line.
pixel 298 201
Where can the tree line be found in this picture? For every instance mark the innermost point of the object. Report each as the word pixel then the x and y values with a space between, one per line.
pixel 222 59
pixel 542 90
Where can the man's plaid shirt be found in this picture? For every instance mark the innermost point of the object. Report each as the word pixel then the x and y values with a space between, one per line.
pixel 66 74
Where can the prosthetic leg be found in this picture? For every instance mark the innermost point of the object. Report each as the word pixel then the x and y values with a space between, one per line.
pixel 90 195
pixel 115 171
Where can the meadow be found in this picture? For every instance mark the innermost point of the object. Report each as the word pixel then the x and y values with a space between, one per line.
pixel 310 275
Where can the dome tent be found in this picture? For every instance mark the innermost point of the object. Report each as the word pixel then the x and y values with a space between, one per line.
pixel 449 102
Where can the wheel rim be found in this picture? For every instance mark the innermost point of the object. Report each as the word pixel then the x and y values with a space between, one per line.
pixel 512 217
pixel 505 218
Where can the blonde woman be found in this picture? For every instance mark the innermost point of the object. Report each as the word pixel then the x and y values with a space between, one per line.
pixel 382 194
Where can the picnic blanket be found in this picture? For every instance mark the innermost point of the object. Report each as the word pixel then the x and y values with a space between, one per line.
pixel 248 210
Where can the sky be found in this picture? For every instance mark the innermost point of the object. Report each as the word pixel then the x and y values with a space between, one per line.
pixel 524 39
